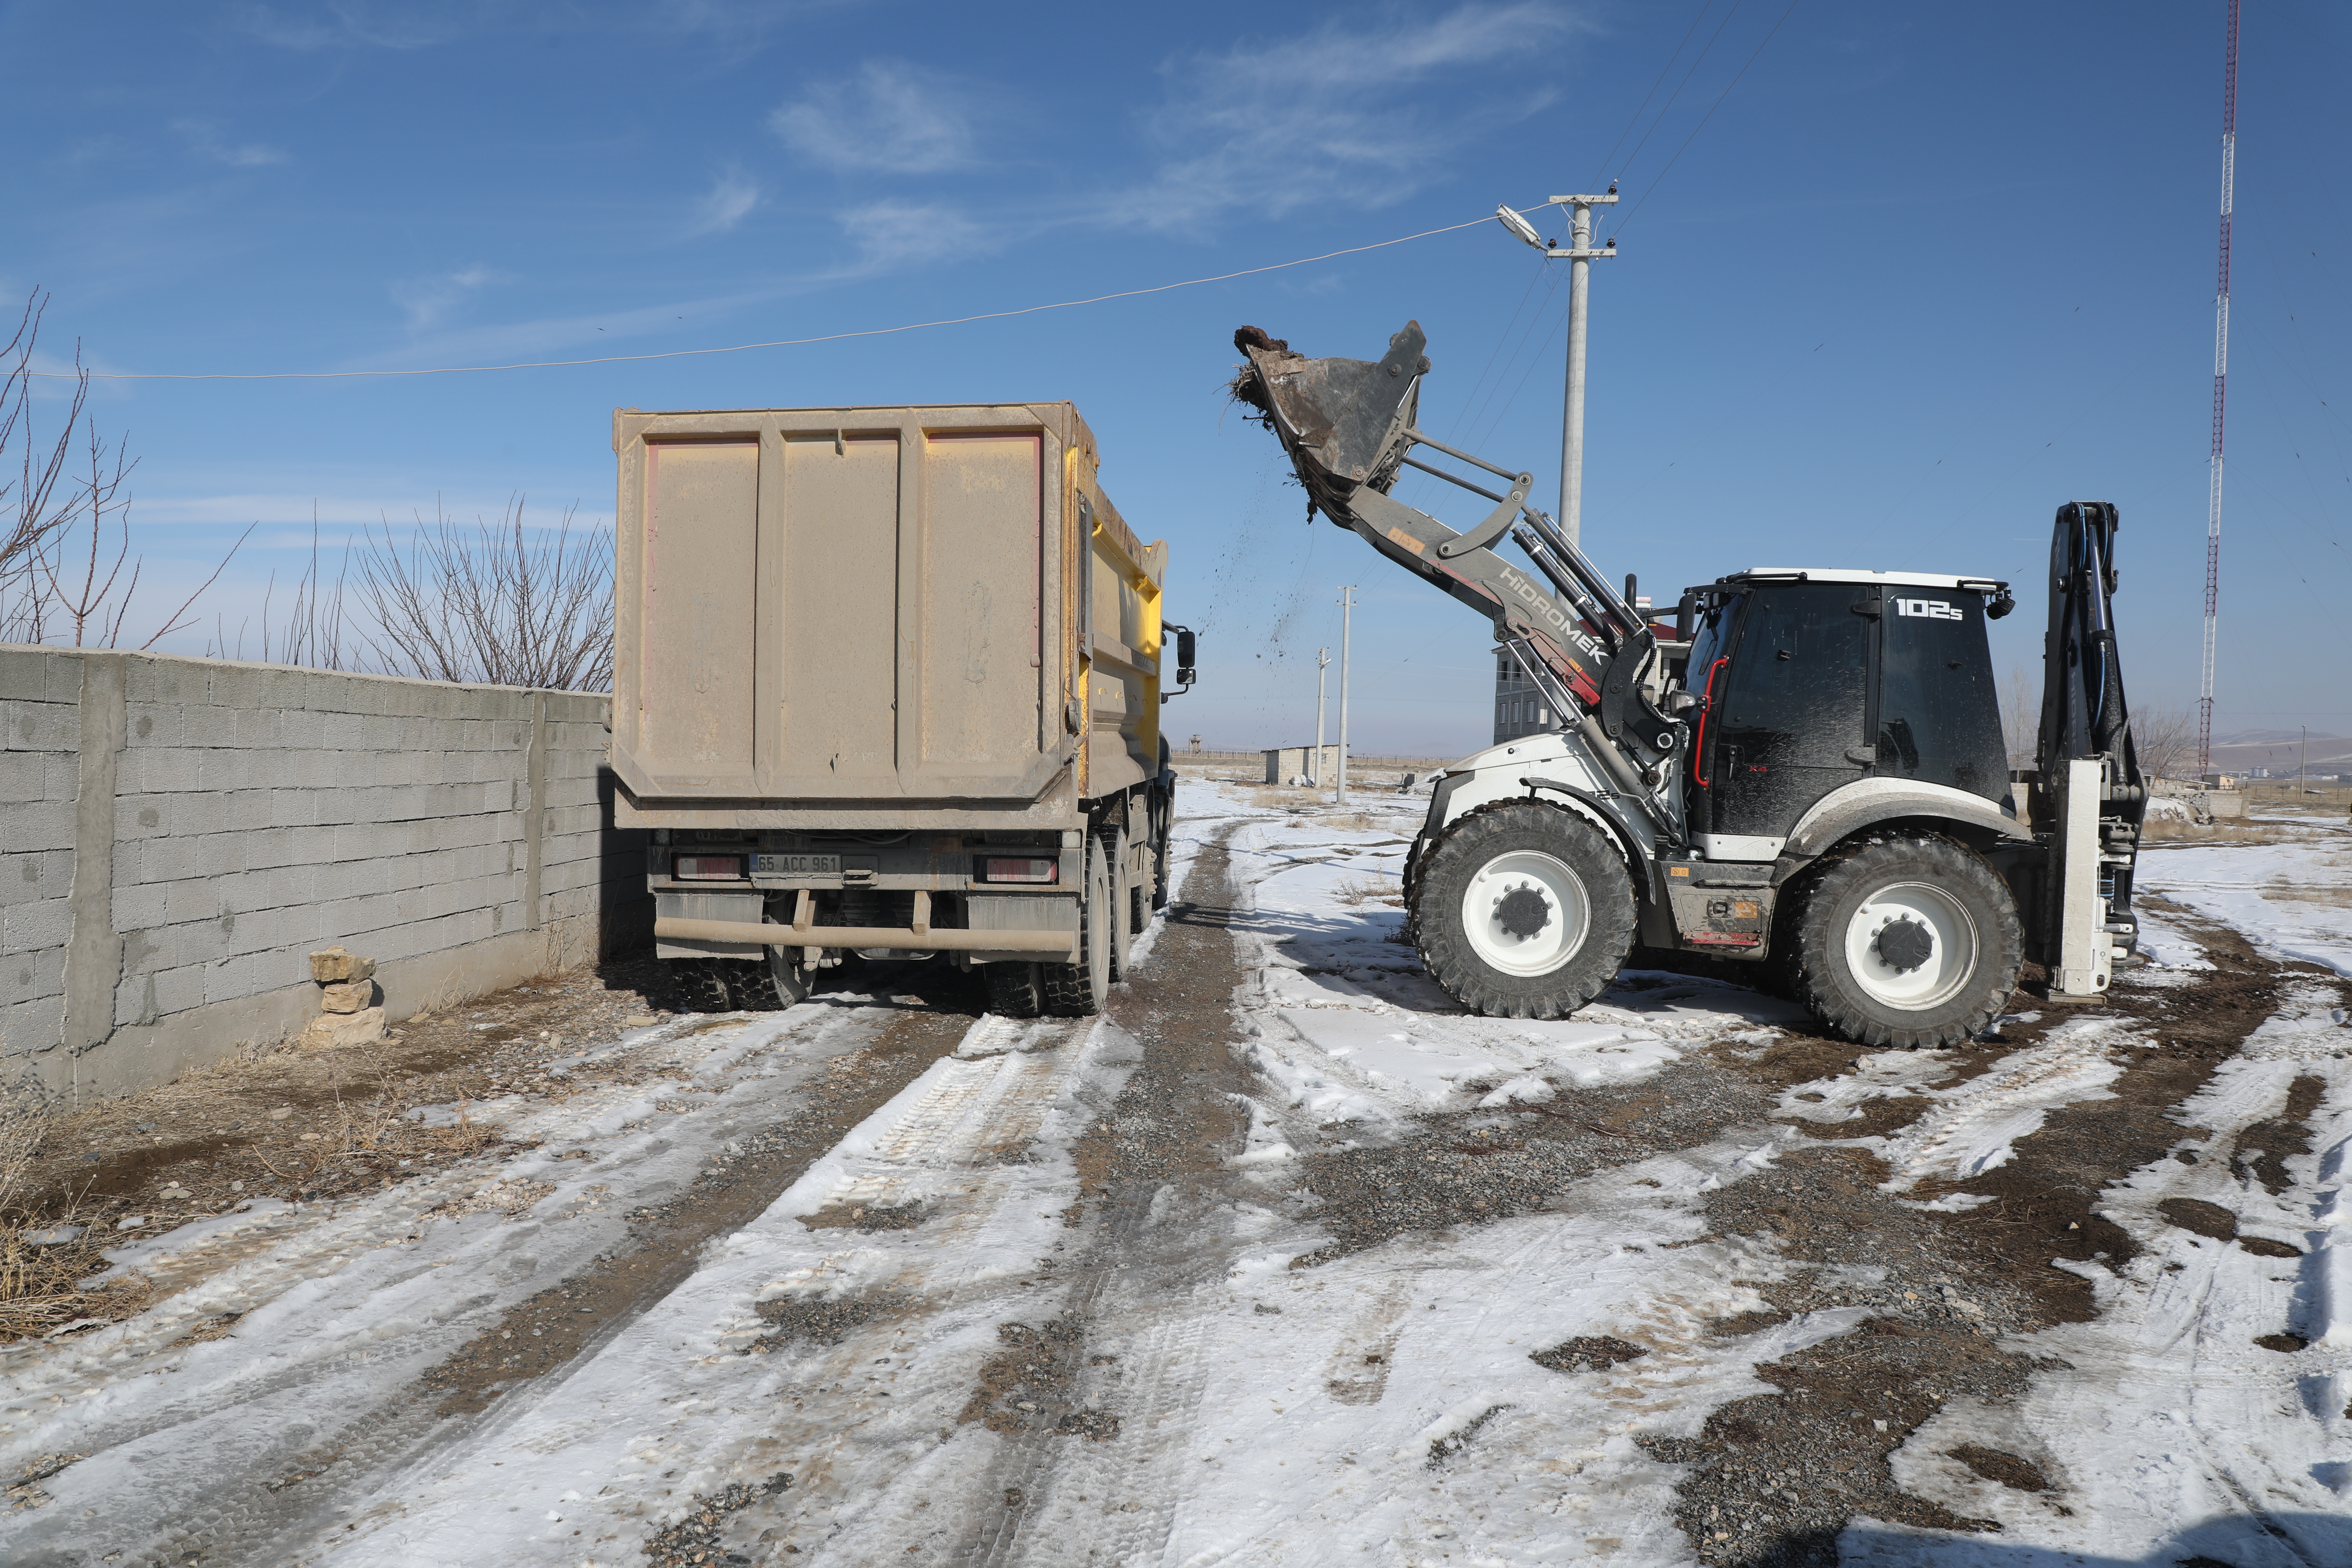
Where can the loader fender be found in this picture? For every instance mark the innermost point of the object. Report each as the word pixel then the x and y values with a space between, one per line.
pixel 1499 773
pixel 1867 803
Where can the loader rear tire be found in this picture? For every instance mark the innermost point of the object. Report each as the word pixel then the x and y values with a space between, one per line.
pixel 1078 990
pixel 1522 911
pixel 1907 940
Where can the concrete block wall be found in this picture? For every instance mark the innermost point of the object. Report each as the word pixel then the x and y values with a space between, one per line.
pixel 177 834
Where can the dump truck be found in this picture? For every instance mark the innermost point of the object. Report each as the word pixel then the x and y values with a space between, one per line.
pixel 887 685
pixel 1805 772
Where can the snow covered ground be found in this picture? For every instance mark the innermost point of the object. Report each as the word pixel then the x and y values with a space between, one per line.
pixel 937 1345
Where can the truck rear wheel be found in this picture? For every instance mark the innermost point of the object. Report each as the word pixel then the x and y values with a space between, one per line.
pixel 1014 990
pixel 1523 910
pixel 1118 913
pixel 1910 941
pixel 1077 990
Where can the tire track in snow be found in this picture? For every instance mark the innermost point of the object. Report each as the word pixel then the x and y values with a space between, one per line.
pixel 295 1446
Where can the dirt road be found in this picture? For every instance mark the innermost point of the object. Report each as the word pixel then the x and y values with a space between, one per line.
pixel 1283 1261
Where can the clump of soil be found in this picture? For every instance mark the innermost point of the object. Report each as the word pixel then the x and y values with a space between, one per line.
pixel 1595 1352
pixel 1030 1386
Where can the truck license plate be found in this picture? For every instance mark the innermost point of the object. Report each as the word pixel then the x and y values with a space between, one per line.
pixel 796 865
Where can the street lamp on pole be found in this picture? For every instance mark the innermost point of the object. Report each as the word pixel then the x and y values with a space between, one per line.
pixel 1578 255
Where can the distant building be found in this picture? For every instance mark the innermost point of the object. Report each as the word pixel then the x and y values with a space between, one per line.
pixel 1520 709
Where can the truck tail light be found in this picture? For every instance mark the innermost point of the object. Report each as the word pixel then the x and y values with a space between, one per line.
pixel 992 870
pixel 711 868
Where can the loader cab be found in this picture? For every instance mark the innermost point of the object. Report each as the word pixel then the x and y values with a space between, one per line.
pixel 1808 681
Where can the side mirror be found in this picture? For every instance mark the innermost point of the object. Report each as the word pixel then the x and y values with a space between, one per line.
pixel 1187 646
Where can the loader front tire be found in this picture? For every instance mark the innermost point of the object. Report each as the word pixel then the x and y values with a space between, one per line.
pixel 1907 940
pixel 1522 911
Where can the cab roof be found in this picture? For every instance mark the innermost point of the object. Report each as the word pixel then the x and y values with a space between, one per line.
pixel 1852 574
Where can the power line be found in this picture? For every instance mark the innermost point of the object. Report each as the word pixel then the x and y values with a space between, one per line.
pixel 1661 175
pixel 778 343
pixel 1696 60
pixel 1705 6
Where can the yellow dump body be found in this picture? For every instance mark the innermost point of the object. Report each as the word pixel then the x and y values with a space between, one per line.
pixel 877 618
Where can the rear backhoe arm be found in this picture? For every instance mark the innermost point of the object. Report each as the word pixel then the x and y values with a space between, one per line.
pixel 1348 427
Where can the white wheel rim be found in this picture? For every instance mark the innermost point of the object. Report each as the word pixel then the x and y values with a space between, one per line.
pixel 1901 914
pixel 1500 905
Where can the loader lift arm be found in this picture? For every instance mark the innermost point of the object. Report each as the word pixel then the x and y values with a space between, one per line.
pixel 1348 428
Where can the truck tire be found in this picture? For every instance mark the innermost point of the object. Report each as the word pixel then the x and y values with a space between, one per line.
pixel 1909 941
pixel 1014 990
pixel 1078 990
pixel 698 986
pixel 1165 833
pixel 1118 911
pixel 1522 911
pixel 748 986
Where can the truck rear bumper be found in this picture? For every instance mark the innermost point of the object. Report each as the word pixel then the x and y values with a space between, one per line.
pixel 1061 945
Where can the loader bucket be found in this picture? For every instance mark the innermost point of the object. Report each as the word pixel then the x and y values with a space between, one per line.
pixel 1340 420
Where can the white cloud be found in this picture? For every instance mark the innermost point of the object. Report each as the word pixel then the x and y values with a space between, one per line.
pixel 890 235
pixel 1329 116
pixel 730 198
pixel 428 299
pixel 892 117
pixel 204 139
pixel 341 24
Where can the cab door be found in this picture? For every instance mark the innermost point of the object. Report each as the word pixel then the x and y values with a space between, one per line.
pixel 1787 716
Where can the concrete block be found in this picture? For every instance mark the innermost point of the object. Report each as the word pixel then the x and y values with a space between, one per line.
pixel 178 990
pixel 23 674
pixel 21 774
pixel 138 906
pixel 345 732
pixel 40 726
pixel 195 898
pixel 227 979
pixel 153 724
pixel 25 877
pixel 234 686
pixel 31 928
pixel 138 816
pixel 253 729
pixel 302 731
pixel 35 1025
pixel 279 687
pixel 332 1031
pixel 347 995
pixel 167 683
pixel 29 976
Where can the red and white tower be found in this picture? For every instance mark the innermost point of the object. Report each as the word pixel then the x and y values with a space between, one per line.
pixel 2221 394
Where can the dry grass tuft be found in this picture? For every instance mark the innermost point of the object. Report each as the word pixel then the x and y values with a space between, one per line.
pixel 45 1257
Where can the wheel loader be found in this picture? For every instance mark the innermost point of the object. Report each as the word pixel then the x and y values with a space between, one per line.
pixel 1804 772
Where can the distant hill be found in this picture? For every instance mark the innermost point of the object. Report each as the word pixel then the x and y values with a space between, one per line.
pixel 2242 751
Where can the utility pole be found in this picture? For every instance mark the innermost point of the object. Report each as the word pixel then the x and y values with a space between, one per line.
pixel 1580 255
pixel 2301 758
pixel 1322 663
pixel 1347 611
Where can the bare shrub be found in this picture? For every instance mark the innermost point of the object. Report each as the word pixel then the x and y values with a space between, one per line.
pixel 2166 739
pixel 54 574
pixel 497 605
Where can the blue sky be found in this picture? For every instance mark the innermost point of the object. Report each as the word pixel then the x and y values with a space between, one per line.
pixel 1922 274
